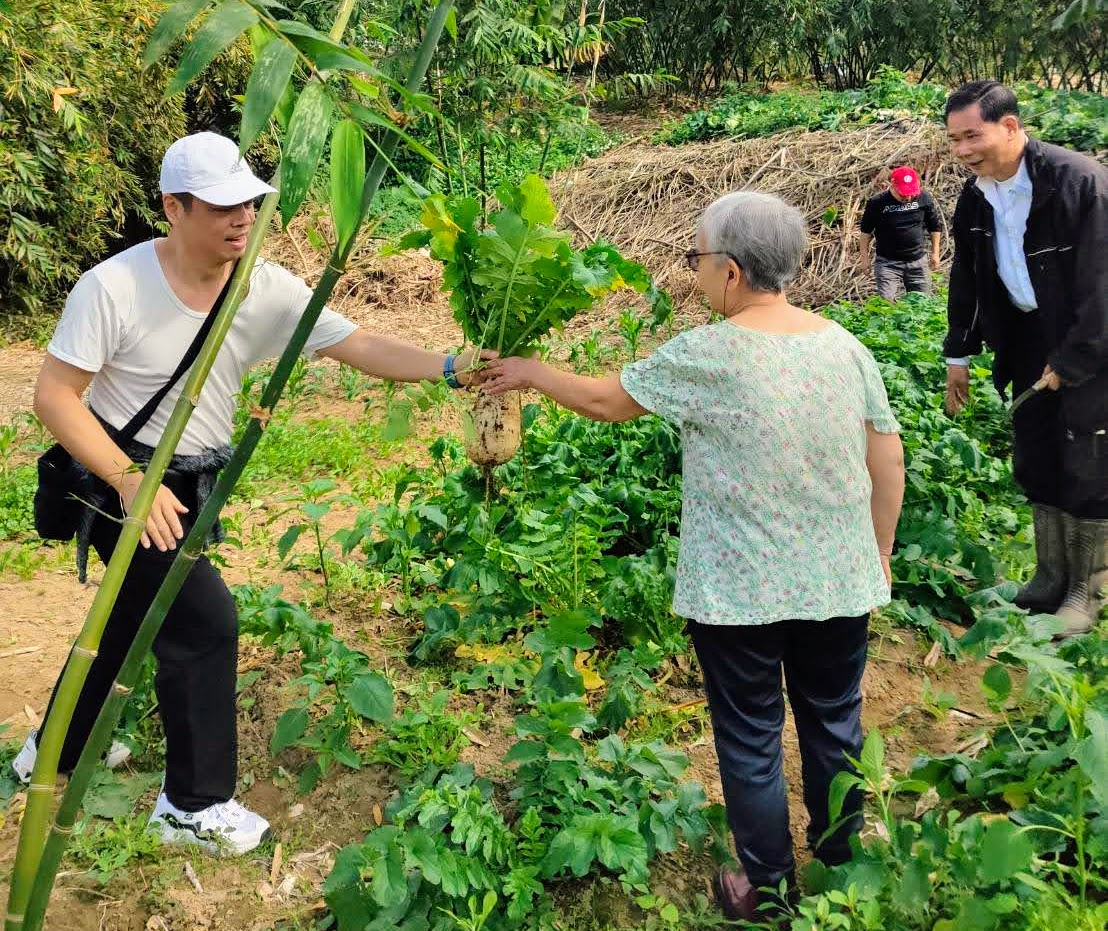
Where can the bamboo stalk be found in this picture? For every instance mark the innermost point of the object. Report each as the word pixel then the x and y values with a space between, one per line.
pixel 192 547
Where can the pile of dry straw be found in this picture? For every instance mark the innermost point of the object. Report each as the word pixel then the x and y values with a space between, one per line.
pixel 645 199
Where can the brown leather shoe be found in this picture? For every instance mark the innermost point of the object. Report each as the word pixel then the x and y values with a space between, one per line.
pixel 740 900
pixel 736 897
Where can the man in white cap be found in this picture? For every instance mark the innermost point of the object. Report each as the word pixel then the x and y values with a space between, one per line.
pixel 126 326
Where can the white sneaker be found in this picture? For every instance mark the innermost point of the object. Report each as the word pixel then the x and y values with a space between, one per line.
pixel 24 762
pixel 224 828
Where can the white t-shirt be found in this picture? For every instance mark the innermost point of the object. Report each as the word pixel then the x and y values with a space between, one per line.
pixel 123 321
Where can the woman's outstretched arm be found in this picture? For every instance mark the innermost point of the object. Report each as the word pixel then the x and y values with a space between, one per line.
pixel 595 398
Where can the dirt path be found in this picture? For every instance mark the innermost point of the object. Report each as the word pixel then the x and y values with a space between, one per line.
pixel 19 364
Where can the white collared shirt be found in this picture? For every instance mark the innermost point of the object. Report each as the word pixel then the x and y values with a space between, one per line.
pixel 1011 203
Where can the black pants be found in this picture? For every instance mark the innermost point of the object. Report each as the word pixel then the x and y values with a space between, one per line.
pixel 1060 449
pixel 197 653
pixel 823 663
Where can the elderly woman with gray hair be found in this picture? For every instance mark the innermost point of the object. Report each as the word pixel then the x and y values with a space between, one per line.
pixel 793 480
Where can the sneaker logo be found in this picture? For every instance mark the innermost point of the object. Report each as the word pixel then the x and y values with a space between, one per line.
pixel 193 828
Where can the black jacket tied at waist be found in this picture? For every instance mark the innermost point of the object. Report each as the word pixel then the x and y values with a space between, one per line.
pixel 204 466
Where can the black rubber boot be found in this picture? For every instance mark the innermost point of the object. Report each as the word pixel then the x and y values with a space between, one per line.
pixel 1087 565
pixel 1044 593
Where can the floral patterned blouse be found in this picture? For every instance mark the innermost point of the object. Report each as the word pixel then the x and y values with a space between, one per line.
pixel 775 521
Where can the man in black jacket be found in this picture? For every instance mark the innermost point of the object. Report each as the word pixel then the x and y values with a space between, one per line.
pixel 1030 280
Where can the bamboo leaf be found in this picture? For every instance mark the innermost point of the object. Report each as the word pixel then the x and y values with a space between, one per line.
pixel 311 119
pixel 368 117
pixel 170 27
pixel 323 52
pixel 226 23
pixel 267 84
pixel 365 88
pixel 1079 11
pixel 283 113
pixel 347 178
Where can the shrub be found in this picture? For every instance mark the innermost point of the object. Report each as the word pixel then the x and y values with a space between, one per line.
pixel 82 132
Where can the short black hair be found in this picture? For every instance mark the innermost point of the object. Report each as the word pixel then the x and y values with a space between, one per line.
pixel 995 100
pixel 185 198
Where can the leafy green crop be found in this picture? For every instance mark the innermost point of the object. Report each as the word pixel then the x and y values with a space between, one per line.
pixel 339 691
pixel 1071 118
pixel 1014 836
pixel 578 807
pixel 518 278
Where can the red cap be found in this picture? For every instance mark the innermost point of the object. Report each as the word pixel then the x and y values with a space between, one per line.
pixel 905 181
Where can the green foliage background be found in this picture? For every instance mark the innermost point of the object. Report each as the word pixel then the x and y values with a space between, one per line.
pixel 72 179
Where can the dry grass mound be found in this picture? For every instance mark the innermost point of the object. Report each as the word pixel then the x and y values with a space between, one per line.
pixel 646 199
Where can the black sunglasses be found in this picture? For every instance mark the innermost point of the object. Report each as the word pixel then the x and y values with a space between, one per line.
pixel 693 258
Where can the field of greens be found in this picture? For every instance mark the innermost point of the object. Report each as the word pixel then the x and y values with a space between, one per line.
pixel 501 654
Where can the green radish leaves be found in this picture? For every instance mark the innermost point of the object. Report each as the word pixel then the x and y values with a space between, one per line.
pixel 517 279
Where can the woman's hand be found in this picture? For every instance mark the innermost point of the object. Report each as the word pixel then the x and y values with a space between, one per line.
pixel 464 366
pixel 511 374
pixel 163 526
pixel 887 569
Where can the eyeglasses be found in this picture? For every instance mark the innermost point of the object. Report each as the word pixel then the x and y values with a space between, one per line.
pixel 693 258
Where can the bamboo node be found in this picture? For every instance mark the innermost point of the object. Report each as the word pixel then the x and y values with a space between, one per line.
pixel 40 787
pixel 84 651
pixel 122 689
pixel 132 519
pixel 58 829
pixel 261 414
pixel 13 917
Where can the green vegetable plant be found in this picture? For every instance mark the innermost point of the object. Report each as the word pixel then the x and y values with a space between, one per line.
pixel 1071 118
pixel 426 734
pixel 313 502
pixel 339 695
pixel 512 280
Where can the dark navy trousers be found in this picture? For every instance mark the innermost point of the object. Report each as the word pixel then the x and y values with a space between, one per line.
pixel 822 663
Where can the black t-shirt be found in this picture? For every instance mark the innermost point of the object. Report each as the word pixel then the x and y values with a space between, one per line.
pixel 898 227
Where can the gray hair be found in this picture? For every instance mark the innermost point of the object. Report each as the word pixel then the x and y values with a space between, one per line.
pixel 766 236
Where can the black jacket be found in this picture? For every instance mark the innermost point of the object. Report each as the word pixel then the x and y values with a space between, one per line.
pixel 1066 245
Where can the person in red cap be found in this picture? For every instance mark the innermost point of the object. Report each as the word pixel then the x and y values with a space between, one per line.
pixel 898 218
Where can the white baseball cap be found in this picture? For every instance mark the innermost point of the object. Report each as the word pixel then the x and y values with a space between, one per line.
pixel 209 167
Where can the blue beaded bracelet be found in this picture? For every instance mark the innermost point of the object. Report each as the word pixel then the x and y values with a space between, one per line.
pixel 448 373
